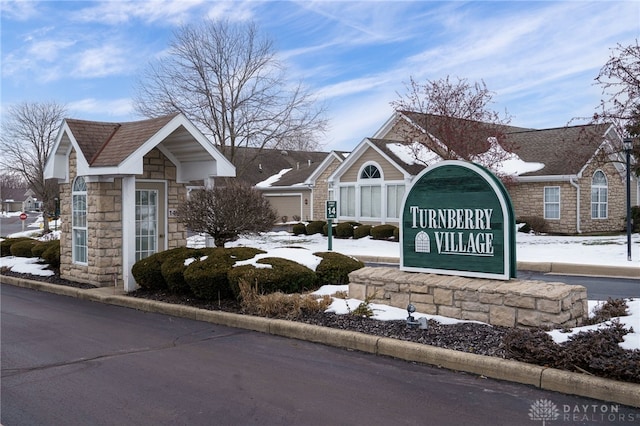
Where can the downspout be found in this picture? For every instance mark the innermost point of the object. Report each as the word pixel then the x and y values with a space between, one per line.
pixel 577 187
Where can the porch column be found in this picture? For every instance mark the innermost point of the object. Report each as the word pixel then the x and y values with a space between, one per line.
pixel 128 231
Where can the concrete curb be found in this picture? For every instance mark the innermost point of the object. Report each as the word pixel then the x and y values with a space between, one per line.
pixel 496 368
pixel 546 267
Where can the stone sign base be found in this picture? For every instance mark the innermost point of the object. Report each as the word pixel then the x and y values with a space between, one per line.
pixel 514 303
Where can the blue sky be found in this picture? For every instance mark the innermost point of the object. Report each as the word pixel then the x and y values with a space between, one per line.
pixel 539 58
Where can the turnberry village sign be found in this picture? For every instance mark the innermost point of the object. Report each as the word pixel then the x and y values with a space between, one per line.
pixel 457 219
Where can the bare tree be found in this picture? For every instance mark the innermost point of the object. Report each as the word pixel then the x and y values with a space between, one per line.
pixel 28 134
pixel 453 119
pixel 619 79
pixel 224 212
pixel 226 78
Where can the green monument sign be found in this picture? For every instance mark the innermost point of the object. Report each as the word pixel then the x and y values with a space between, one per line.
pixel 457 219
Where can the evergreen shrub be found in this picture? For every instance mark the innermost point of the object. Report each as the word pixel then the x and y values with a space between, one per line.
pixel 284 275
pixel 299 229
pixel 335 268
pixel 315 227
pixel 383 232
pixel 361 231
pixel 344 230
pixel 23 248
pixel 207 278
pixel 5 245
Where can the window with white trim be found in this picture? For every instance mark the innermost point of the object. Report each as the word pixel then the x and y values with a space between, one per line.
pixel 79 220
pixel 348 201
pixel 370 185
pixel 552 202
pixel 370 200
pixel 599 196
pixel 395 193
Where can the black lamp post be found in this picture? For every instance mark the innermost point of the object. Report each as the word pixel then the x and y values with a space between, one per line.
pixel 627 144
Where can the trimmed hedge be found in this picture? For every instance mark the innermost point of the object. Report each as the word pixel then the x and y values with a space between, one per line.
pixel 299 229
pixel 361 231
pixel 284 275
pixel 5 245
pixel 315 227
pixel 173 268
pixel 335 268
pixel 147 272
pixel 23 248
pixel 344 230
pixel 52 254
pixel 207 278
pixel 41 246
pixel 325 230
pixel 383 232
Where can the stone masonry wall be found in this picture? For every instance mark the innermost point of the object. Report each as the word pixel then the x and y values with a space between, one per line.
pixel 157 166
pixel 104 222
pixel 513 303
pixel 321 191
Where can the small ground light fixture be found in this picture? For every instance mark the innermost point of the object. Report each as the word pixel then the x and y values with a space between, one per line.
pixel 412 322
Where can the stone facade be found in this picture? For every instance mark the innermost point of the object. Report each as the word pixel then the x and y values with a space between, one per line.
pixel 104 221
pixel 528 200
pixel 514 303
pixel 321 191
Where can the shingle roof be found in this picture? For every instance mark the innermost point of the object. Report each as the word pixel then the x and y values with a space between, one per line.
pixel 108 144
pixel 383 145
pixel 255 165
pixel 563 150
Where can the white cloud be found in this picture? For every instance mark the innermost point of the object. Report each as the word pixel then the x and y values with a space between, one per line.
pixel 48 50
pixel 95 107
pixel 18 10
pixel 118 12
pixel 101 61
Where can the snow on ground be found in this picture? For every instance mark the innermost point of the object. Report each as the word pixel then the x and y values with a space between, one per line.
pixel 534 248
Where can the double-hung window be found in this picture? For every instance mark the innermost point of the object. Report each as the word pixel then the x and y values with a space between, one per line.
pixel 348 201
pixel 599 196
pixel 394 200
pixel 552 202
pixel 79 220
pixel 370 180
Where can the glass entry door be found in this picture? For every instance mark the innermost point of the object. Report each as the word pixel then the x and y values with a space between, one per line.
pixel 150 218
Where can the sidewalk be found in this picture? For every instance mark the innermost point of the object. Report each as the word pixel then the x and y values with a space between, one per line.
pixel 496 368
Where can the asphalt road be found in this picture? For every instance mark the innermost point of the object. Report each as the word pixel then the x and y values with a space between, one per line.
pixel 67 361
pixel 598 288
pixel 12 224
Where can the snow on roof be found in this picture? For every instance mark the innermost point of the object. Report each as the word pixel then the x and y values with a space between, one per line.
pixel 504 162
pixel 414 153
pixel 496 158
pixel 272 179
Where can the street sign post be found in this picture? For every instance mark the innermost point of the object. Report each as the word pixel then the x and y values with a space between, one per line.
pixel 23 217
pixel 331 213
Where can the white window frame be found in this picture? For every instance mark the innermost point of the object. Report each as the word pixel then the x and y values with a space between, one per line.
pixel 370 183
pixel 397 201
pixel 550 203
pixel 597 201
pixel 347 207
pixel 79 229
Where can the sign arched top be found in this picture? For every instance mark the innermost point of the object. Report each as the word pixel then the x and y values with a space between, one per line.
pixel 458 219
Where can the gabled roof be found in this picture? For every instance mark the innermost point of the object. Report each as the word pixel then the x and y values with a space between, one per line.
pixel 563 151
pixel 258 165
pixel 13 194
pixel 108 144
pixel 110 149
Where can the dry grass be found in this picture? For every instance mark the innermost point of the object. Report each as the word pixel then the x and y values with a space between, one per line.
pixel 279 305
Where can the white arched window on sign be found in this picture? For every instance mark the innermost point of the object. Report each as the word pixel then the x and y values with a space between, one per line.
pixel 79 220
pixel 370 179
pixel 599 195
